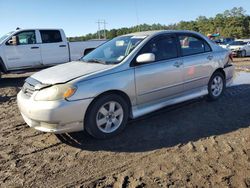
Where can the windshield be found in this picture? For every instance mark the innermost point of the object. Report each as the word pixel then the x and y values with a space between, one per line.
pixel 236 43
pixel 114 51
pixel 5 36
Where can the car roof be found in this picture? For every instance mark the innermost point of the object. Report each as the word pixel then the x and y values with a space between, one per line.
pixel 155 32
pixel 27 29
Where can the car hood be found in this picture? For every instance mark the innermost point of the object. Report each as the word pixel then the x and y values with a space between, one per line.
pixel 68 71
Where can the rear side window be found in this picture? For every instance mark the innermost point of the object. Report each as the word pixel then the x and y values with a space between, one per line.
pixel 191 45
pixel 163 48
pixel 50 36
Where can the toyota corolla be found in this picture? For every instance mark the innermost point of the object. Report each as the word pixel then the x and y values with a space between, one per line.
pixel 126 77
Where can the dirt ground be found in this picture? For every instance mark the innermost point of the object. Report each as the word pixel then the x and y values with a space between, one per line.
pixel 193 144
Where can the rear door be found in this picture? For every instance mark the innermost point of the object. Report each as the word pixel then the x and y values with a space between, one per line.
pixel 197 58
pixel 53 49
pixel 162 78
pixel 26 53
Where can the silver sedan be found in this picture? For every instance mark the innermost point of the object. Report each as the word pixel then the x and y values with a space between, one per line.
pixel 124 78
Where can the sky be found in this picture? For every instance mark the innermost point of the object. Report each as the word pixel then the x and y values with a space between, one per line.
pixel 79 17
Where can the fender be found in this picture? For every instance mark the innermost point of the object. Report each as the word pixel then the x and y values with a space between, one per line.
pixel 2 66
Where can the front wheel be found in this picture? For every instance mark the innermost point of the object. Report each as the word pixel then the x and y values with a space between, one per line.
pixel 107 116
pixel 216 86
pixel 243 53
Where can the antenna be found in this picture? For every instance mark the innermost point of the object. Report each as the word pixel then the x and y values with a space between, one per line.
pixel 137 16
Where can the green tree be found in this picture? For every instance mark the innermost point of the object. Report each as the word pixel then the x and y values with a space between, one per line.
pixel 230 23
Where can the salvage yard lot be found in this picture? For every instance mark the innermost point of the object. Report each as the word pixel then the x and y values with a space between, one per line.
pixel 194 143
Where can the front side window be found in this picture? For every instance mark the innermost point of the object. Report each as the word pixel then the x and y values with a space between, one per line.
pixel 50 36
pixel 114 51
pixel 26 37
pixel 191 45
pixel 163 48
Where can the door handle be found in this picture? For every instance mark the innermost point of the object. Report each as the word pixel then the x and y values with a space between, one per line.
pixel 61 46
pixel 34 47
pixel 210 57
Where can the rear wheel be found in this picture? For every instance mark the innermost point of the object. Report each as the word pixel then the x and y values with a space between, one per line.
pixel 216 86
pixel 107 116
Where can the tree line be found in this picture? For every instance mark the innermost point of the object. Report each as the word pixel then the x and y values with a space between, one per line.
pixel 231 23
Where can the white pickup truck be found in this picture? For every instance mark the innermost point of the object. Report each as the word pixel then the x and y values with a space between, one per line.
pixel 37 48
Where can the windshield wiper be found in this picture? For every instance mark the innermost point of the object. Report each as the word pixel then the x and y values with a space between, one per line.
pixel 96 61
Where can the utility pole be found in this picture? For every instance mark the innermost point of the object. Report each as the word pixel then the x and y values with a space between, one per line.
pixel 99 32
pixel 103 23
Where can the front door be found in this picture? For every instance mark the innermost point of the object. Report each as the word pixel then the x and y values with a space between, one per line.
pixel 162 78
pixel 26 53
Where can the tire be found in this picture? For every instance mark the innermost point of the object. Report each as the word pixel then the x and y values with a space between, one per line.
pixel 107 116
pixel 216 86
pixel 243 53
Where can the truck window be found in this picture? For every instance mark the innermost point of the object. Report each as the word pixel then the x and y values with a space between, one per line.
pixel 50 36
pixel 26 37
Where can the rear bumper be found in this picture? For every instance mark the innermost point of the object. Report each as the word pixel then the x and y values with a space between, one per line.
pixel 229 72
pixel 53 116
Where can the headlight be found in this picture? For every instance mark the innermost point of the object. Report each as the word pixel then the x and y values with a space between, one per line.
pixel 55 93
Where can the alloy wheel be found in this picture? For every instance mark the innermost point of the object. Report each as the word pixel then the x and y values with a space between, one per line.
pixel 109 117
pixel 217 86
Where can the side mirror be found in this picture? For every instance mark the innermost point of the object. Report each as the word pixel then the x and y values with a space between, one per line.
pixel 145 58
pixel 13 40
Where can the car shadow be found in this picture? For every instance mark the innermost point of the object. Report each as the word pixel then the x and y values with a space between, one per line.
pixel 174 125
pixel 12 81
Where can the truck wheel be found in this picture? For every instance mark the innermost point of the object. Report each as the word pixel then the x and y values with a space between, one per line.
pixel 107 116
pixel 216 86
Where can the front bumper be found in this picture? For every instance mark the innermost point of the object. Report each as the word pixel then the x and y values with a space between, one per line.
pixel 53 116
pixel 236 53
